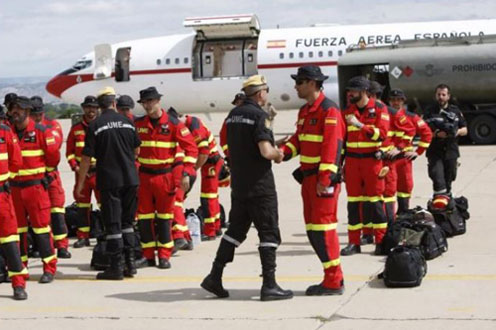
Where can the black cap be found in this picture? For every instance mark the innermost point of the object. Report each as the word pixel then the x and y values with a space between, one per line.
pixel 239 96
pixel 358 83
pixel 397 93
pixel 375 88
pixel 9 98
pixel 38 105
pixel 310 72
pixel 90 101
pixel 23 102
pixel 149 93
pixel 125 102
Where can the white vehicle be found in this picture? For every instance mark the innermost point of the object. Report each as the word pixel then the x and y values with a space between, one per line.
pixel 202 70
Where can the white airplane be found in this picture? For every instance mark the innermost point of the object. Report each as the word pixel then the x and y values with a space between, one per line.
pixel 202 70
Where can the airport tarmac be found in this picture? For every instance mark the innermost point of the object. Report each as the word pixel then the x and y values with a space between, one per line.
pixel 459 291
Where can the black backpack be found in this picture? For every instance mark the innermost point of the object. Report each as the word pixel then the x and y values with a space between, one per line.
pixel 395 232
pixel 405 267
pixel 451 220
pixel 434 241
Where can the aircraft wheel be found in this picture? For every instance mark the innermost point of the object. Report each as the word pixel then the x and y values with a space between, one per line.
pixel 482 129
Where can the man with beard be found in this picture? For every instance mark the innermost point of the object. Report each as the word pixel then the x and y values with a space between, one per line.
pixel 74 151
pixel 367 126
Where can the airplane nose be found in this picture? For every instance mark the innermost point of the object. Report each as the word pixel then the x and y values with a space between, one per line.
pixel 57 85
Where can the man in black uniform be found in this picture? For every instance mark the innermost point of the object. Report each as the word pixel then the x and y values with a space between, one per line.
pixel 253 198
pixel 447 123
pixel 113 141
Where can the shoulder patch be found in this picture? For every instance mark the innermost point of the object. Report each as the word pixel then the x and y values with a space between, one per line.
pixel 173 120
pixel 4 127
pixel 195 124
pixel 410 114
pixel 184 131
pixel 379 105
pixel 328 103
pixel 40 127
pixel 392 110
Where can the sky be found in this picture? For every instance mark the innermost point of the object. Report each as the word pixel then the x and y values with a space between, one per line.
pixel 42 38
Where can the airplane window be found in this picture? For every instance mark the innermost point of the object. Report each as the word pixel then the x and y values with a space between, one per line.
pixel 291 55
pixel 159 61
pixel 281 56
pixel 310 54
pixel 82 64
pixel 167 61
pixel 186 60
pixel 330 53
pixel 301 55
pixel 321 53
pixel 340 52
pixel 177 61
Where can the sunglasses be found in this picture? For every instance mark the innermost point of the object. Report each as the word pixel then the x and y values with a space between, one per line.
pixel 300 81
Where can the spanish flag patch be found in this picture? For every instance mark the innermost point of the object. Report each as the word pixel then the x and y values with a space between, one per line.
pixel 184 131
pixel 384 116
pixel 402 120
pixel 331 121
pixel 50 141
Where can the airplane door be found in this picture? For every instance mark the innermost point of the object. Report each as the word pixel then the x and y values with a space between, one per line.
pixel 122 58
pixel 103 61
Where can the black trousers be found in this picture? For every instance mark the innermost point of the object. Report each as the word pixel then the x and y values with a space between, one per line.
pixel 118 212
pixel 442 173
pixel 262 212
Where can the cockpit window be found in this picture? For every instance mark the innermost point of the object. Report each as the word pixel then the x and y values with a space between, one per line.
pixel 82 64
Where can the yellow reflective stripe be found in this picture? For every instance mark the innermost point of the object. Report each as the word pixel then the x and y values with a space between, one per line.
pixel 158 144
pixel 372 199
pixel 332 263
pixel 291 146
pixel 83 205
pixel 32 171
pixel 203 144
pixel 8 239
pixel 407 137
pixel 224 147
pixel 4 156
pixel 180 227
pixel 386 149
pixel 21 230
pixel 78 132
pixel 376 133
pixel 209 220
pixel 210 138
pixel 368 225
pixel 355 227
pixel 362 144
pixel 50 258
pixel 4 177
pixel 310 137
pixel 352 128
pixel 408 149
pixel 328 167
pixel 80 144
pixel 24 258
pixel 189 159
pixel 84 229
pixel 320 227
pixel 389 199
pixel 44 230
pixel 209 195
pixel 214 149
pixel 398 133
pixel 354 199
pixel 154 161
pixel 423 144
pixel 148 245
pixel 178 204
pixel 380 225
pixel 24 271
pixel 390 133
pixel 50 169
pixel 143 216
pixel 32 153
pixel 59 237
pixel 165 216
pixel 57 210
pixel 179 155
pixel 403 195
pixel 309 160
pixel 168 245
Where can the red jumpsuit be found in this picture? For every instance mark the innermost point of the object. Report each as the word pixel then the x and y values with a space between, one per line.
pixel 10 162
pixel 56 191
pixel 209 197
pixel 319 141
pixel 179 226
pixel 401 133
pixel 74 150
pixel 362 168
pixel 30 190
pixel 404 166
pixel 156 193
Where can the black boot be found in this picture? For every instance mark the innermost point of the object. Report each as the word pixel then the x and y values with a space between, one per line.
pixel 213 282
pixel 350 249
pixel 63 253
pixel 367 239
pixel 81 242
pixel 20 293
pixel 270 290
pixel 115 271
pixel 129 263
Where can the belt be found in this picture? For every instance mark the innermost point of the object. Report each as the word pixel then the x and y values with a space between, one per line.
pixel 377 155
pixel 310 172
pixel 5 187
pixel 213 159
pixel 25 184
pixel 148 170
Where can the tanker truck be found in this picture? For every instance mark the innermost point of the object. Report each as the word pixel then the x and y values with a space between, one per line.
pixel 467 65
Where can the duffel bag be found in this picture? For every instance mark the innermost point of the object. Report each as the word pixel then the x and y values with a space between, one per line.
pixel 434 241
pixel 405 267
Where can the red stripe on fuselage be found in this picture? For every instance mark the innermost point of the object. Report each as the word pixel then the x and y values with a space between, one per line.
pixel 295 65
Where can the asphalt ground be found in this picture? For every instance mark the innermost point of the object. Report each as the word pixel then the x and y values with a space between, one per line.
pixel 459 291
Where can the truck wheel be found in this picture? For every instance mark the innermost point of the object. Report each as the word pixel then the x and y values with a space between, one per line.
pixel 482 129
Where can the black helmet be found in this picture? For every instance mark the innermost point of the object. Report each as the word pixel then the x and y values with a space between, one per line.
pixel 358 83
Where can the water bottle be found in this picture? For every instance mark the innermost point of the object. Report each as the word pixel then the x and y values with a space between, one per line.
pixel 193 223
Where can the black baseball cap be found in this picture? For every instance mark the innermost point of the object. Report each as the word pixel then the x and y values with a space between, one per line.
pixel 37 103
pixel 125 102
pixel 90 101
pixel 397 93
pixel 23 102
pixel 358 83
